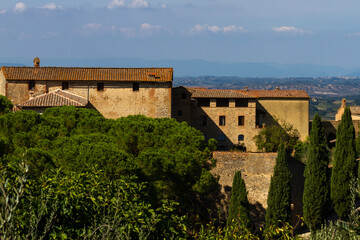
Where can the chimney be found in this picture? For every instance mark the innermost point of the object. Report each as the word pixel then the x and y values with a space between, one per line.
pixel 343 103
pixel 36 62
pixel 246 88
pixel 277 88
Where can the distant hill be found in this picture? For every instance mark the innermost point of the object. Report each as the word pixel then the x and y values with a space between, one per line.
pixel 209 68
pixel 12 64
pixel 199 67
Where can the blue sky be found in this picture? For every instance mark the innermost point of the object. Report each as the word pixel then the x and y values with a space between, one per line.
pixel 323 32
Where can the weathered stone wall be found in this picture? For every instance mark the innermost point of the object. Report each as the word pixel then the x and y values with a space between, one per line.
pixel 256 170
pixel 2 84
pixel 191 113
pixel 116 100
pixel 292 111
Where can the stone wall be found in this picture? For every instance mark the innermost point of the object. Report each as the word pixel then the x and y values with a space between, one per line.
pixel 256 170
pixel 292 111
pixel 153 99
pixel 2 84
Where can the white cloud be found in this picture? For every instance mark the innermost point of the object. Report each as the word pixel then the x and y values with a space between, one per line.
pixel 51 6
pixel 20 7
pixel 216 29
pixel 147 29
pixel 139 4
pixel 290 29
pixel 163 6
pixel 116 4
pixel 129 32
pixel 92 26
pixel 2 11
pixel 233 28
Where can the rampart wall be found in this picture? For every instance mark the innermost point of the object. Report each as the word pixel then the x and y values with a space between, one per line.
pixel 256 170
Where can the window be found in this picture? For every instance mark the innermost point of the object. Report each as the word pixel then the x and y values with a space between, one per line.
pixel 221 137
pixel 241 120
pixel 241 102
pixel 222 120
pixel 183 95
pixel 136 86
pixel 65 85
pixel 203 102
pixel 100 86
pixel 222 102
pixel 240 137
pixel 180 113
pixel 32 85
pixel 203 120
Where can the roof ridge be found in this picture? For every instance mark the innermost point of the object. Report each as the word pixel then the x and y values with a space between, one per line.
pixel 59 90
pixel 89 67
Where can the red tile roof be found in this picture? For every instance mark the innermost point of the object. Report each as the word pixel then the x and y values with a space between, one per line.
pixel 278 93
pixel 55 99
pixel 218 93
pixel 89 74
pixel 228 93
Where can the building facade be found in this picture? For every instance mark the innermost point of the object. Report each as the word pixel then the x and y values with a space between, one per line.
pixel 114 92
pixel 234 117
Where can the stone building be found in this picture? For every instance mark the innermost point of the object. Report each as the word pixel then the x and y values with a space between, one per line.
pixel 234 117
pixel 114 92
pixel 355 111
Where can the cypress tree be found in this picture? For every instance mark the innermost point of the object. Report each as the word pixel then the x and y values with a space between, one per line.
pixel 239 205
pixel 279 193
pixel 316 196
pixel 344 165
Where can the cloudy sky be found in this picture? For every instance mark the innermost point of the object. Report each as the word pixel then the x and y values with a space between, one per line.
pixel 281 31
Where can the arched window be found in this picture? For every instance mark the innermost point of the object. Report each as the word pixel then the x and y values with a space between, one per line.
pixel 240 137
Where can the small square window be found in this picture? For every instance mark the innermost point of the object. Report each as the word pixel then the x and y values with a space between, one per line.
pixel 136 86
pixel 222 102
pixel 239 102
pixel 203 102
pixel 241 120
pixel 203 120
pixel 65 85
pixel 100 86
pixel 180 113
pixel 222 120
pixel 240 137
pixel 31 85
pixel 221 137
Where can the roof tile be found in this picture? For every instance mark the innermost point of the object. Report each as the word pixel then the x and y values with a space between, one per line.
pixel 55 99
pixel 89 74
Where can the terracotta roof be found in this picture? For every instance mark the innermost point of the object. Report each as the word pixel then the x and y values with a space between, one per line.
pixel 222 93
pixel 55 99
pixel 218 93
pixel 88 74
pixel 279 93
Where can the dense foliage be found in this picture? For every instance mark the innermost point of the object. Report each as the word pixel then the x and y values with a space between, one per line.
pixel 344 165
pixel 5 105
pixel 316 196
pixel 239 205
pixel 89 176
pixel 279 193
pixel 270 138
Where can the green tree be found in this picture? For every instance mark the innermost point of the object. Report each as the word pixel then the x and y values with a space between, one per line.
pixel 279 193
pixel 5 105
pixel 316 196
pixel 270 138
pixel 344 165
pixel 239 205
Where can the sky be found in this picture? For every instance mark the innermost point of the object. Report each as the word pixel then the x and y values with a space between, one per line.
pixel 325 32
